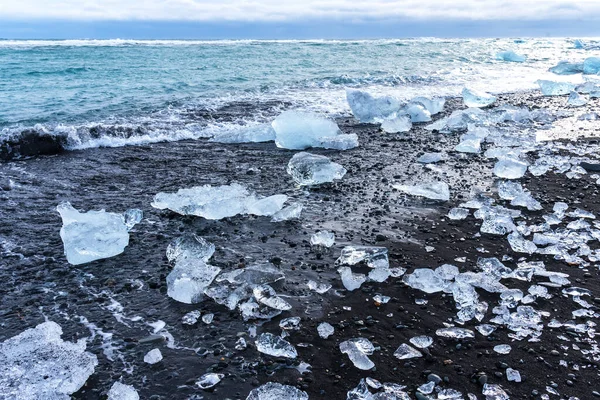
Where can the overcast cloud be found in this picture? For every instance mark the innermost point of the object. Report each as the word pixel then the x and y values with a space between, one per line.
pixel 286 10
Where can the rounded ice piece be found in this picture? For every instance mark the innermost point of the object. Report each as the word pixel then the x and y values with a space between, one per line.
pixel 369 109
pixel 502 349
pixel 275 346
pixel 591 65
pixel 310 169
pixel 209 380
pixel 276 391
pixel 300 130
pixel 510 169
pixel 153 356
pixel 422 342
pixel 120 391
pixel 325 330
pixel 477 98
pixel 551 88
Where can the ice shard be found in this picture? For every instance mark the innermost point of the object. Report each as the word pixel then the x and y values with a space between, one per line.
pixel 358 350
pixel 310 169
pixel 276 391
pixel 511 56
pixel 405 352
pixel 430 190
pixel 576 100
pixel 477 98
pixel 322 238
pixel 275 346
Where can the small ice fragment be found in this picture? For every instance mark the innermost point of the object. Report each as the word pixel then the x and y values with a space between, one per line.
pixel 276 391
pixel 469 144
pixel 550 88
pixel 120 391
pixel 427 388
pixel 510 56
pixel 339 142
pixel 502 349
pixel 510 169
pixel 292 211
pixel 357 350
pixel 476 98
pixel 373 256
pixel 246 134
pixel 93 235
pixel 399 124
pixel 318 287
pixel 300 130
pixel 417 112
pixel 458 213
pixel 133 217
pixel 310 169
pixel 520 245
pixel 188 280
pixel 404 352
pixel 430 190
pixel 381 299
pixel 290 324
pixel 485 329
pixel 350 280
pixel 190 247
pixel 266 295
pixel 576 100
pixel 275 346
pixel 153 356
pixel 191 318
pixel 426 280
pixel 512 375
pixel 494 392
pixel 369 109
pixel 322 238
pixel 455 333
pixel 325 330
pixel 241 344
pixel 208 318
pixel 422 342
pixel 430 158
pixel 208 381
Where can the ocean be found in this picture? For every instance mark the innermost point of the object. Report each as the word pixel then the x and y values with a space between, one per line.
pixel 126 92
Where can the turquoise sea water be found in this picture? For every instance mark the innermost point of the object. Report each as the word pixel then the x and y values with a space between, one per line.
pixel 116 92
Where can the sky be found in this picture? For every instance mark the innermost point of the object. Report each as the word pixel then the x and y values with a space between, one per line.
pixel 282 19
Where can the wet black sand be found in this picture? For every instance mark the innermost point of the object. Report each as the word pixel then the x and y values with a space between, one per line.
pixel 361 209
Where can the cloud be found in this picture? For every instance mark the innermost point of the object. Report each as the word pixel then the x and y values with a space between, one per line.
pixel 294 10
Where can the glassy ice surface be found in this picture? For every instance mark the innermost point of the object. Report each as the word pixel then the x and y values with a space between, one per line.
pixel 191 318
pixel 458 213
pixel 399 124
pixel 350 280
pixel 120 391
pixel 426 280
pixel 576 100
pixel 521 245
pixel 300 130
pixel 502 349
pixel 430 190
pixel 369 109
pixel 494 392
pixel 374 256
pixel 133 217
pixel 312 169
pixel 422 342
pixel 434 105
pixel 551 88
pixel 266 295
pixel 92 235
pixel 339 142
pixel 512 375
pixel 290 324
pixel 469 144
pixel 455 333
pixel 293 211
pixel 325 330
pixel 322 238
pixel 430 158
pixel 318 287
pixel 209 380
pixel 275 346
pixel 510 169
pixel 358 350
pixel 511 56
pixel 591 65
pixel 153 356
pixel 38 364
pixel 247 134
pixel 218 202
pixel 276 391
pixel 477 98
pixel 417 112
pixel 567 68
pixel 404 352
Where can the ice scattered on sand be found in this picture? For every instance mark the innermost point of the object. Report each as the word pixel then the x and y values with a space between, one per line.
pixel 399 124
pixel 477 98
pixel 510 56
pixel 551 88
pixel 358 350
pixel 322 238
pixel 92 235
pixel 38 364
pixel 218 202
pixel 369 109
pixel 576 100
pixel 290 324
pixel 430 190
pixel 300 130
pixel 404 352
pixel 120 391
pixel 275 346
pixel 191 318
pixel 153 356
pixel 209 380
pixel 373 256
pixel 247 134
pixel 311 169
pixel 265 294
pixel 494 392
pixel 276 391
pixel 133 217
pixel 325 330
pixel 293 211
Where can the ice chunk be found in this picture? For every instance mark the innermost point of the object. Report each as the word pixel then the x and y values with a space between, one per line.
pixel 381 299
pixel 153 356
pixel 422 342
pixel 551 88
pixel 266 295
pixel 38 364
pixel 248 134
pixel 494 392
pixel 300 130
pixel 455 333
pixel 520 245
pixel 322 238
pixel 511 56
pixel 512 375
pixel 290 324
pixel 399 124
pixel 358 350
pixel 276 391
pixel 430 190
pixel 429 158
pixel 567 68
pixel 318 287
pixel 120 391
pixel 476 98
pixel 369 109
pixel 417 112
pixel 576 100
pixel 208 318
pixel 469 144
pixel 209 380
pixel 325 330
pixel 502 349
pixel 190 247
pixel 510 169
pixel 458 213
pixel 426 280
pixel 434 106
pixel 339 142
pixel 350 280
pixel 292 211
pixel 404 352
pixel 312 169
pixel 275 346
pixel 591 65
pixel 191 318
pixel 375 257
pixel 133 217
pixel 92 235
pixel 447 271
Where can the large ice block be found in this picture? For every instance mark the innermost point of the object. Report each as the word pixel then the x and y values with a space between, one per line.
pixel 369 109
pixel 567 68
pixel 551 88
pixel 300 130
pixel 311 169
pixel 591 65
pixel 275 346
pixel 511 56
pixel 399 124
